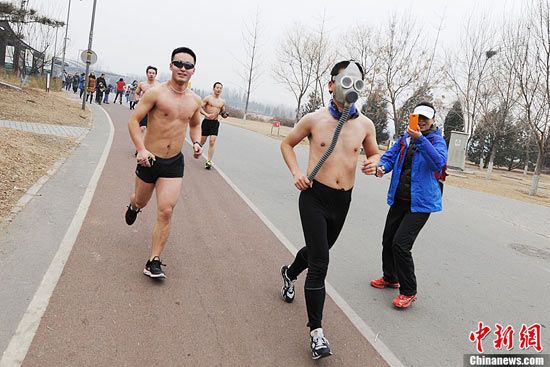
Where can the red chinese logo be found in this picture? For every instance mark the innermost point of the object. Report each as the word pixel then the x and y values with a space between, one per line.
pixel 504 337
pixel 478 336
pixel 530 337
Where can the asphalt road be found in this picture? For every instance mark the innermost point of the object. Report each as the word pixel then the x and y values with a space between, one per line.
pixel 484 258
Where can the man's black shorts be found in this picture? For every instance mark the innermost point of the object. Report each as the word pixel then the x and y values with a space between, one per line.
pixel 143 122
pixel 162 167
pixel 210 127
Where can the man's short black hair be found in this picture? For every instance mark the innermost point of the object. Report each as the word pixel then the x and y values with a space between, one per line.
pixel 184 50
pixel 121 80
pixel 427 104
pixel 342 65
pixel 151 67
pixel 216 83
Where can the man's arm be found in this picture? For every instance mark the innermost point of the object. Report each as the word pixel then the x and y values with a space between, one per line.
pixel 203 106
pixel 223 113
pixel 195 130
pixel 147 103
pixel 139 90
pixel 300 131
pixel 370 146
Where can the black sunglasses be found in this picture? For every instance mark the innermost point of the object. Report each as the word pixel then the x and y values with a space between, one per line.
pixel 183 64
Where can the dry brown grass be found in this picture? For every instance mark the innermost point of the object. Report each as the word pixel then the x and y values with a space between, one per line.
pixel 25 158
pixel 33 105
pixel 262 128
pixel 38 82
pixel 503 183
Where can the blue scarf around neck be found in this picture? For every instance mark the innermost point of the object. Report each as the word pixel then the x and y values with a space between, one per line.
pixel 333 109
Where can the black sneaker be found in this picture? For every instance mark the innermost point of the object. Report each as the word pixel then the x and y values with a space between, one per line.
pixel 287 291
pixel 131 215
pixel 320 348
pixel 153 268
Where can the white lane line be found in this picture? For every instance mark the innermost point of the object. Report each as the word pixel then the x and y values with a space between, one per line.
pixel 20 342
pixel 363 328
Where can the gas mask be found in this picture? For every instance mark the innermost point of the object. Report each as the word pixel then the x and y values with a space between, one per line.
pixel 349 83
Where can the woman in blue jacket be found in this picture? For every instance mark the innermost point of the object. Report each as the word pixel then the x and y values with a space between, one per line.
pixel 416 159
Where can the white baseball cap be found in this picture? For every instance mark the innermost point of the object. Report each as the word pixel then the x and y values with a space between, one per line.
pixel 426 111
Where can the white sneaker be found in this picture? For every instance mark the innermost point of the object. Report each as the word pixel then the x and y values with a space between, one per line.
pixel 320 348
pixel 287 291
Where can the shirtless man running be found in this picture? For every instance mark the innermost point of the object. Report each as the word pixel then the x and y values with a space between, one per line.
pixel 172 107
pixel 324 203
pixel 142 87
pixel 212 107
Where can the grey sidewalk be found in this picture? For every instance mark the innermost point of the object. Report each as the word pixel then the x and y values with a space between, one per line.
pixel 30 241
pixel 47 129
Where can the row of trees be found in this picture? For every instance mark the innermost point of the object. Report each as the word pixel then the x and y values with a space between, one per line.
pixel 499 76
pixel 32 27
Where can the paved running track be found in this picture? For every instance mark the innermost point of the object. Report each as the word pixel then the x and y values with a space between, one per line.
pixel 219 305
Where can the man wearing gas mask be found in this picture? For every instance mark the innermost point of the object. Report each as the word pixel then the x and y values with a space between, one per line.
pixel 326 191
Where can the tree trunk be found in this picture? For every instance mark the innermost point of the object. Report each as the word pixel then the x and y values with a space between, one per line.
pixel 298 109
pixel 526 167
pixel 491 159
pixel 536 176
pixel 395 121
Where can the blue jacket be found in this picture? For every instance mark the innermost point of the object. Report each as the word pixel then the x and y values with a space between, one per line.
pixel 429 159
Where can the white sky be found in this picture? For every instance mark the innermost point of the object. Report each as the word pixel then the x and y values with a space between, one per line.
pixel 131 34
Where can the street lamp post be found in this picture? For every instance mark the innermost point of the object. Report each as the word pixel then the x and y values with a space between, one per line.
pixel 65 39
pixel 488 55
pixel 88 58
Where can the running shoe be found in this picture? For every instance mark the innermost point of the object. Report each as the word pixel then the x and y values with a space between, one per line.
pixel 153 268
pixel 208 164
pixel 131 215
pixel 403 301
pixel 287 291
pixel 381 283
pixel 320 348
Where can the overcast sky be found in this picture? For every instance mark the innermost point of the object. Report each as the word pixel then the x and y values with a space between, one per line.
pixel 131 34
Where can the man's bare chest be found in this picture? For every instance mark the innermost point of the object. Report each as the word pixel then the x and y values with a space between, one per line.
pixel 351 135
pixel 176 109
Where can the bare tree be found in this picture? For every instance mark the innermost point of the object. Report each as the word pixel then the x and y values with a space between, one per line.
pixel 498 98
pixel 467 65
pixel 361 45
pixel 530 43
pixel 35 29
pixel 250 74
pixel 404 61
pixel 324 57
pixel 295 63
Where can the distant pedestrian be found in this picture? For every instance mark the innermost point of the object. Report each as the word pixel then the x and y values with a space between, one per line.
pixel 119 90
pixel 82 84
pixel 91 87
pixel 76 80
pixel 101 86
pixel 132 99
pixel 107 92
